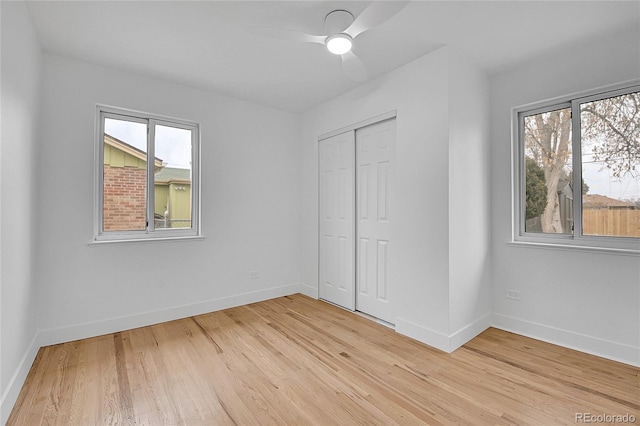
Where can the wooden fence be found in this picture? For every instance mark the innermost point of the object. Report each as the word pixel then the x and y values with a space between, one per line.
pixel 623 222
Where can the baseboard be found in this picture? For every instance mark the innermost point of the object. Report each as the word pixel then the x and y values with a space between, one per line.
pixel 469 331
pixel 443 342
pixel 626 354
pixel 82 331
pixel 309 291
pixel 10 396
pixel 422 334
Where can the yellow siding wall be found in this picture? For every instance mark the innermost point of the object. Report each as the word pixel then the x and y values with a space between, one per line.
pixel 162 196
pixel 117 158
pixel 180 205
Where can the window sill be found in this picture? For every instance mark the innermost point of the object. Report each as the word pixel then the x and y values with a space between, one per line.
pixel 145 240
pixel 574 247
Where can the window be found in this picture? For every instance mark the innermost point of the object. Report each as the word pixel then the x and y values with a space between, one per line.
pixel 147 176
pixel 577 170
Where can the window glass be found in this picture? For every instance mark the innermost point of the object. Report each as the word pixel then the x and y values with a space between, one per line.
pixel 172 179
pixel 610 145
pixel 124 204
pixel 548 202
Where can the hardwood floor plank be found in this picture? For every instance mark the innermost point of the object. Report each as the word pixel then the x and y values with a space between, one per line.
pixel 298 361
pixel 29 407
pixel 612 381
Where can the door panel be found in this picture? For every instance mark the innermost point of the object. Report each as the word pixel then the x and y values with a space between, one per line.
pixel 337 222
pixel 375 145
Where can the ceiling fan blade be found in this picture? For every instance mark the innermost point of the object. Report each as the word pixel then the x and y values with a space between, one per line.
pixel 375 14
pixel 290 35
pixel 353 67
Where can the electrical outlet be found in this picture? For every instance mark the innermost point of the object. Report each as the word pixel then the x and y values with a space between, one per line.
pixel 512 294
pixel 254 275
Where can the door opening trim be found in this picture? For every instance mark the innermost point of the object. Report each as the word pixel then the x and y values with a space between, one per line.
pixel 360 124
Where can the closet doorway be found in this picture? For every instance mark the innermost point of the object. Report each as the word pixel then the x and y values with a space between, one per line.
pixel 356 188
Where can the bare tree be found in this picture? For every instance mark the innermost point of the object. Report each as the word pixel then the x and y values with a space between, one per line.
pixel 547 141
pixel 610 126
pixel 613 124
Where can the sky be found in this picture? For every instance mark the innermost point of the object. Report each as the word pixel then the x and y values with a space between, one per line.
pixel 601 180
pixel 173 145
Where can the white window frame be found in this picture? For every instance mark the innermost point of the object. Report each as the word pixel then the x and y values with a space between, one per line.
pixel 150 233
pixel 575 240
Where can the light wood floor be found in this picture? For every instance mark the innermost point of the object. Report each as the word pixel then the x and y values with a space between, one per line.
pixel 295 360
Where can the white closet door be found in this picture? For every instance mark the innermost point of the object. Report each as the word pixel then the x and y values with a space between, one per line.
pixel 337 222
pixel 375 152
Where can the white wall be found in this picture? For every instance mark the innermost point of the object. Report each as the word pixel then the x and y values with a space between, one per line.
pixel 469 201
pixel 419 270
pixel 21 89
pixel 589 301
pixel 250 209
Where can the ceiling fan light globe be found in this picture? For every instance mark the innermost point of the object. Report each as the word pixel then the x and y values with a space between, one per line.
pixel 339 44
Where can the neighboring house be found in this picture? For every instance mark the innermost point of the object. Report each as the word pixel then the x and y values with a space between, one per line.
pixel 596 201
pixel 173 198
pixel 125 190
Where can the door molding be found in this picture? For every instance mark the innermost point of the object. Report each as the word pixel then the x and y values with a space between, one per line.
pixel 360 124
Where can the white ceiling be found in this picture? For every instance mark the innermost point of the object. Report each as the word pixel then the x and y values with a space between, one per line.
pixel 214 45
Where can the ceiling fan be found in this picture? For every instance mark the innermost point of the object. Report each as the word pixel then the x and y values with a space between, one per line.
pixel 341 31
